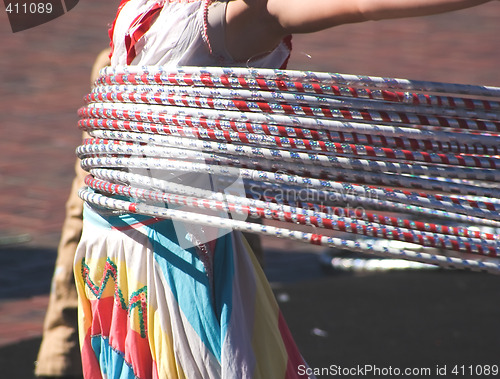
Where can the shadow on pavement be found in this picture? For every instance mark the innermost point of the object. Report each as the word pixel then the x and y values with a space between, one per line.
pixel 17 360
pixel 25 271
pixel 405 319
pixel 410 319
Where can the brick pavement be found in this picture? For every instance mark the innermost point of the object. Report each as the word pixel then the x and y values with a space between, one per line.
pixel 44 74
pixel 21 318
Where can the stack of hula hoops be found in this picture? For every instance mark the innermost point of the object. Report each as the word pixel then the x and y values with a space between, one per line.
pixel 328 159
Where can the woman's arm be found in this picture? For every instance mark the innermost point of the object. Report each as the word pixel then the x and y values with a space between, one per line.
pixel 305 16
pixel 257 26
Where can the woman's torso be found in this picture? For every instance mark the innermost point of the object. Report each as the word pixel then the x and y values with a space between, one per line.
pixel 181 33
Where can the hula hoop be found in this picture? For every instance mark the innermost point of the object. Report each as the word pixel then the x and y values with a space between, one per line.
pixel 144 181
pixel 344 224
pixel 470 207
pixel 315 107
pixel 346 170
pixel 193 116
pixel 206 127
pixel 298 144
pixel 376 204
pixel 234 76
pixel 426 152
pixel 313 238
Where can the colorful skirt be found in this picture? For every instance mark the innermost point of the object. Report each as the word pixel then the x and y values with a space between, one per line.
pixel 149 308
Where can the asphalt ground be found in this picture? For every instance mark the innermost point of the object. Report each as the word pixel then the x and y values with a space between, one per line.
pixel 408 319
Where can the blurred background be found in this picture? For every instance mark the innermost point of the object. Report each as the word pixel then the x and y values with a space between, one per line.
pixel 399 319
